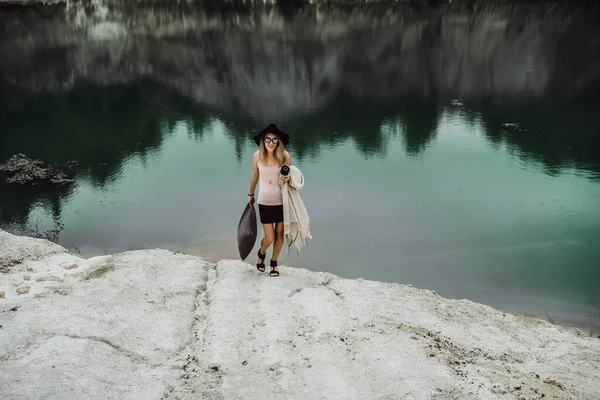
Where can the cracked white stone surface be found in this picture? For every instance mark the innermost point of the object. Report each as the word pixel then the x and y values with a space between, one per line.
pixel 154 324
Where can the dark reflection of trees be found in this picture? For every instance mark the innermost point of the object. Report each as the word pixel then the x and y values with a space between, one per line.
pixel 420 117
pixel 243 135
pixel 99 128
pixel 17 202
pixel 344 119
pixel 556 132
pixel 361 120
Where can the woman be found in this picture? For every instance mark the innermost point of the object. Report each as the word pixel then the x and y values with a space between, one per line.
pixel 268 160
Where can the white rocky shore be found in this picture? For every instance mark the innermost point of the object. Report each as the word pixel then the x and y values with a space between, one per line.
pixel 155 324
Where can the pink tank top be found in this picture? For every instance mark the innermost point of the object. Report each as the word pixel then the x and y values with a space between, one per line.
pixel 269 192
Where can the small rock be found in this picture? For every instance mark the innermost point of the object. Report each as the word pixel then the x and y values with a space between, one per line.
pixel 26 277
pixel 1 295
pixel 554 383
pixel 47 278
pixel 245 362
pixel 23 290
pixel 72 266
pixel 498 389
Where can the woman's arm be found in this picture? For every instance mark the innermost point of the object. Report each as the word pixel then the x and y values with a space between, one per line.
pixel 253 178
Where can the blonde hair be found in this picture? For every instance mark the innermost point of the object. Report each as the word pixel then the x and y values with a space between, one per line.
pixel 278 153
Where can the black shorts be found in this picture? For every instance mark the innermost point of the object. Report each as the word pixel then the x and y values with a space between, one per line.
pixel 270 214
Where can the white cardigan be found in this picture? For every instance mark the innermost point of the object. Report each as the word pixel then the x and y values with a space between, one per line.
pixel 296 224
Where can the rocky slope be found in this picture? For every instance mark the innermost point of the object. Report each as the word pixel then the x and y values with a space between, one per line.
pixel 155 324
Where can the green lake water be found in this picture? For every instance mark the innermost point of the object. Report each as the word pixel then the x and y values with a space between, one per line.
pixel 402 184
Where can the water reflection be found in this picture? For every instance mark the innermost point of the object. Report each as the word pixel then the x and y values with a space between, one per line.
pixel 98 127
pixel 270 64
pixel 555 132
pixel 327 74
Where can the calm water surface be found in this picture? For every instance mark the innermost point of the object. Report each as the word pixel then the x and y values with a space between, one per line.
pixel 158 109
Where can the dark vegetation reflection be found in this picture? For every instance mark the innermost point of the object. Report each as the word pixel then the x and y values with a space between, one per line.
pixel 99 128
pixel 97 92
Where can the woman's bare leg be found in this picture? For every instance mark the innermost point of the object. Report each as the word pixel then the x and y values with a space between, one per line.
pixel 278 244
pixel 267 240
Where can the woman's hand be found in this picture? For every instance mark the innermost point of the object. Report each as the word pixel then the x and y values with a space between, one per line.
pixel 250 199
pixel 285 178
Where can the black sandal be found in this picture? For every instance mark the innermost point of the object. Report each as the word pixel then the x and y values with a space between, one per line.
pixel 261 266
pixel 274 265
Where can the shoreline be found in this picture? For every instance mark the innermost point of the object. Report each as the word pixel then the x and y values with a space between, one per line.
pixel 581 329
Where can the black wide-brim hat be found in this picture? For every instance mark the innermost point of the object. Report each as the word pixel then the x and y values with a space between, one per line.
pixel 272 128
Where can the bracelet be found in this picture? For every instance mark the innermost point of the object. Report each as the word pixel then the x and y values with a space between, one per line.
pixel 250 194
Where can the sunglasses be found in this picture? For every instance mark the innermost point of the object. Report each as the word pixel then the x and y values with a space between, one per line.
pixel 269 140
